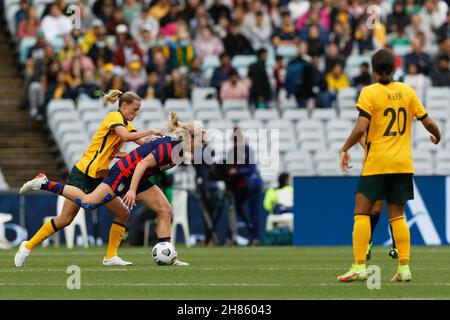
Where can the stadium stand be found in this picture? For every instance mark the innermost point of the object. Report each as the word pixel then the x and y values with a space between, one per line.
pixel 308 137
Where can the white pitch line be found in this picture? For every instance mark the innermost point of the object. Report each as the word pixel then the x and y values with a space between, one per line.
pixel 191 268
pixel 185 284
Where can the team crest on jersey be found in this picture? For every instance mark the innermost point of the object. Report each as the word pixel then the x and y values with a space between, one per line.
pixel 120 187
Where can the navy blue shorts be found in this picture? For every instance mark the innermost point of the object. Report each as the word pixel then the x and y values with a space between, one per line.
pixel 121 184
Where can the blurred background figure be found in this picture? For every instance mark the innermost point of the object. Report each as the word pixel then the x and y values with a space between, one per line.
pixel 247 186
pixel 280 200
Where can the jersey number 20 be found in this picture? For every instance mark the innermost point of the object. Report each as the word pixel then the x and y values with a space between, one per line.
pixel 395 116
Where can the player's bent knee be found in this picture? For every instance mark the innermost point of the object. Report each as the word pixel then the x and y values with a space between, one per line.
pixel 165 212
pixel 123 214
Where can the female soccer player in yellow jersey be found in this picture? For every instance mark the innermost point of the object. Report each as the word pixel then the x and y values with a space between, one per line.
pixel 89 172
pixel 386 111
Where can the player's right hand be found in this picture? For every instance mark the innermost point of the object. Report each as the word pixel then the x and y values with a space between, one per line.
pixel 345 161
pixel 434 139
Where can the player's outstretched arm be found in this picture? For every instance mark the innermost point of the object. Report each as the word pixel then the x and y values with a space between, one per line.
pixel 130 197
pixel 432 128
pixel 126 136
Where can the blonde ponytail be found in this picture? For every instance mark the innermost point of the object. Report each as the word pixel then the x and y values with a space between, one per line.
pixel 184 131
pixel 112 96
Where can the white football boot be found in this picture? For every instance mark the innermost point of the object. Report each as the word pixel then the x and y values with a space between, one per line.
pixel 116 261
pixel 179 263
pixel 21 255
pixel 34 184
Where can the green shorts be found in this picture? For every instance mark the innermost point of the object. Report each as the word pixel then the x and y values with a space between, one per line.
pixel 394 188
pixel 84 182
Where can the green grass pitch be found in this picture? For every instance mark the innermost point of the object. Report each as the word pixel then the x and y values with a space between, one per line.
pixel 221 273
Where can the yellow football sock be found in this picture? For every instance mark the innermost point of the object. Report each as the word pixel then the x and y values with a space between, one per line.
pixel 43 233
pixel 361 237
pixel 400 233
pixel 115 238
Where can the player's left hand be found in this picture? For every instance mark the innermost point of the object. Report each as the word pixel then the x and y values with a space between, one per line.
pixel 345 161
pixel 158 132
pixel 130 199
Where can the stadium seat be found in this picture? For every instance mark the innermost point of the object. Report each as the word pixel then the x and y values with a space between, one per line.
pixel 336 139
pixel 177 105
pixel 67 138
pixel 208 115
pixel 180 215
pixel 69 127
pixel 243 61
pixel 4 218
pixel 287 51
pixel 327 163
pixel 250 124
pixel 346 98
pixel 185 115
pixel 438 109
pixel 154 114
pixel 353 63
pixel 280 220
pixel 200 94
pixel 234 104
pixel 312 125
pixel 423 162
pixel 443 162
pixel 437 93
pixel 236 115
pixel 221 124
pixel 348 114
pixel 422 138
pixel 91 129
pixel 266 114
pixel 84 105
pixel 210 104
pixel 402 50
pixel 339 125
pixel 74 151
pixel 324 114
pixel 60 117
pixel 162 125
pixel 311 141
pixel 93 116
pixel 295 114
pixel 299 161
pixel 25 45
pixel 58 106
pixel 210 62
pixel 150 104
pixel 285 102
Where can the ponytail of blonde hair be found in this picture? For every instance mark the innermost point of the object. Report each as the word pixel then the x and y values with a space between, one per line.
pixel 113 95
pixel 185 131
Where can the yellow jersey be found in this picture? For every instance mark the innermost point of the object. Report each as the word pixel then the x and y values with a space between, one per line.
pixel 95 161
pixel 390 109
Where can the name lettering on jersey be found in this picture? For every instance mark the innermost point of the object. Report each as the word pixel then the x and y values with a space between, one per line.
pixel 395 96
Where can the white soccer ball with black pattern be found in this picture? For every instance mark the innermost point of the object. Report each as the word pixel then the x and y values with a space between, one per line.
pixel 164 253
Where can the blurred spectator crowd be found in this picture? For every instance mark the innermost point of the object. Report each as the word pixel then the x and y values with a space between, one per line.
pixel 243 48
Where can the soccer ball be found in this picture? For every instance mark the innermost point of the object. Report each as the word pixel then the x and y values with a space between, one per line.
pixel 164 253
